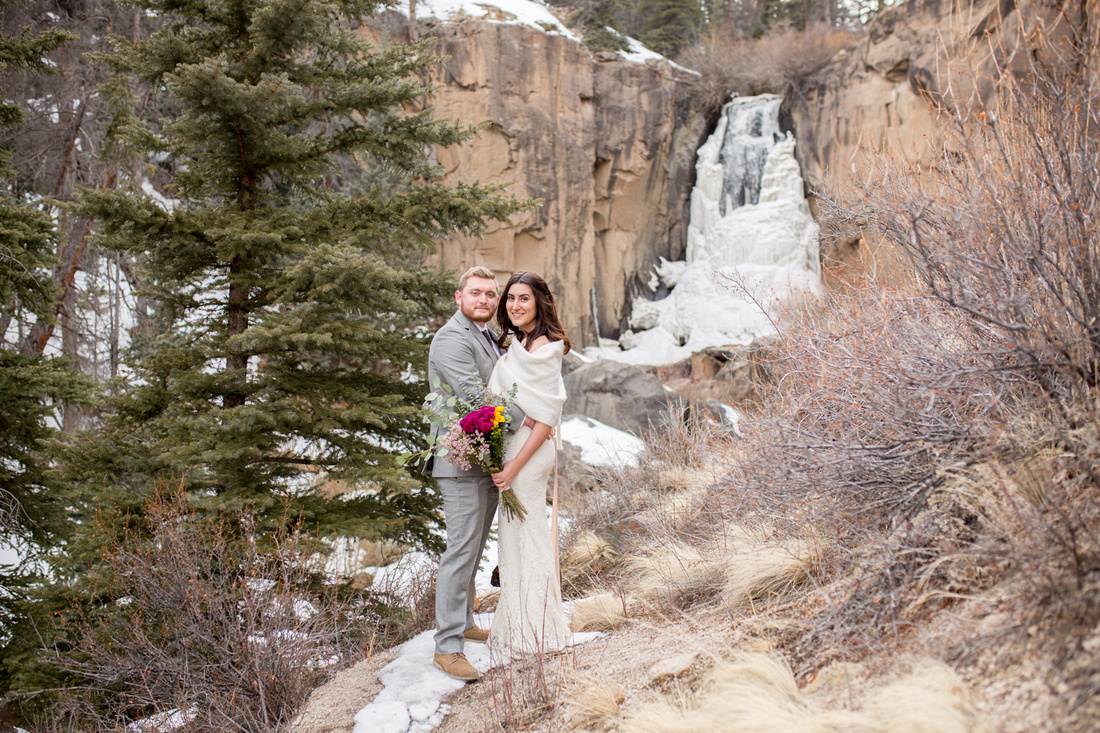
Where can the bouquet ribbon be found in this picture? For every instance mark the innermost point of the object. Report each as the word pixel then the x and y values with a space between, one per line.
pixel 554 519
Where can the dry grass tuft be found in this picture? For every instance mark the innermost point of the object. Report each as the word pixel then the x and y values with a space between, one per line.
pixel 754 692
pixel 757 692
pixel 588 551
pixel 766 573
pixel 672 512
pixel 687 478
pixel 599 613
pixel 584 563
pixel 594 703
pixel 674 572
pixel 930 699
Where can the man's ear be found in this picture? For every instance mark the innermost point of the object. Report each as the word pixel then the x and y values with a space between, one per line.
pixel 458 297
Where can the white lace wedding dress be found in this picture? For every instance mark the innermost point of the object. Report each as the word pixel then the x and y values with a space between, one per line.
pixel 529 617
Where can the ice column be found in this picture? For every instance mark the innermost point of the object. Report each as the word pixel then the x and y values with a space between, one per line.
pixel 750 225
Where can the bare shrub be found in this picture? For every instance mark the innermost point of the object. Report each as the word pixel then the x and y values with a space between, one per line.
pixel 689 444
pixel 943 428
pixel 733 64
pixel 1005 240
pixel 528 692
pixel 209 620
pixel 403 601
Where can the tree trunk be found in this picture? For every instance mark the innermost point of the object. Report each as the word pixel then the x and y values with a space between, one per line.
pixel 236 361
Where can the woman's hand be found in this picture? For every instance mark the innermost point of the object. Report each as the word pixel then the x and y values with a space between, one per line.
pixel 504 478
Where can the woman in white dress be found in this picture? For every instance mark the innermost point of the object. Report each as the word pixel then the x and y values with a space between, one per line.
pixel 529 615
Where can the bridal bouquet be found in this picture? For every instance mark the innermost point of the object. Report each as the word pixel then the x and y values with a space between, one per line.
pixel 477 439
pixel 474 436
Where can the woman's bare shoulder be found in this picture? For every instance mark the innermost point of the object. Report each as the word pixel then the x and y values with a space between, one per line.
pixel 537 344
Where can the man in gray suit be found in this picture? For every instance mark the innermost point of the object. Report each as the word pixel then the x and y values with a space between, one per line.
pixel 462 356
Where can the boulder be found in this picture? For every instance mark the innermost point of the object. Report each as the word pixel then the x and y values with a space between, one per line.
pixel 623 396
pixel 574 474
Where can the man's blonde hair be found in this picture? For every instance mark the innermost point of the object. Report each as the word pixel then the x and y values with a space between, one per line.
pixel 484 272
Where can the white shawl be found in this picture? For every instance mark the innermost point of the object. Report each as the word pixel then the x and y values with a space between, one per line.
pixel 540 388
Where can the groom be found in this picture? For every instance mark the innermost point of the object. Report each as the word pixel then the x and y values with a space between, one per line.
pixel 462 356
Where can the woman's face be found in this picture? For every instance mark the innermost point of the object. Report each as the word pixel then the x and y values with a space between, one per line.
pixel 521 306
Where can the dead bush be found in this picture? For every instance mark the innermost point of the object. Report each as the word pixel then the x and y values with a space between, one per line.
pixel 733 64
pixel 205 620
pixel 527 694
pixel 983 362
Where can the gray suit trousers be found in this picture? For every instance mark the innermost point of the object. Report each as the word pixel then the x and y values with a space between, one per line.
pixel 468 505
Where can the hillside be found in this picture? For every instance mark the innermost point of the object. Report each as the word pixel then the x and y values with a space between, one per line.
pixel 752 628
pixel 906 537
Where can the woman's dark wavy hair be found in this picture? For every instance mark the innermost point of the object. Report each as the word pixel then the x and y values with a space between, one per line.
pixel 547 322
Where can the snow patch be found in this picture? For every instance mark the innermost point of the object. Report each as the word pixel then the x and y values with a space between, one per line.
pixel 602 445
pixel 413 693
pixel 509 12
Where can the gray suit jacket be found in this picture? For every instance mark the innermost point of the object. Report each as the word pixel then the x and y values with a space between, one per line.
pixel 462 359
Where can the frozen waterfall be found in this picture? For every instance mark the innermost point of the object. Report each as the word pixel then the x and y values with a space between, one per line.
pixel 751 243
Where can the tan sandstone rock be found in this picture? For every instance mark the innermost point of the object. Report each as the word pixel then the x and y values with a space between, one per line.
pixel 609 145
pixel 915 60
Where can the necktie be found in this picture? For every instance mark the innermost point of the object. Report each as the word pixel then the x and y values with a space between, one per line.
pixel 492 343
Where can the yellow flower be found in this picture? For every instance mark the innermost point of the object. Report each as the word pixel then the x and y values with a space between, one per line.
pixel 498 416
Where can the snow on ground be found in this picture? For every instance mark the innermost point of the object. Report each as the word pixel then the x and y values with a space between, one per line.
pixel 413 693
pixel 601 445
pixel 161 722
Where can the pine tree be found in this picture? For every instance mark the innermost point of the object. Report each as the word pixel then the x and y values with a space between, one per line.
pixel 669 25
pixel 33 501
pixel 289 345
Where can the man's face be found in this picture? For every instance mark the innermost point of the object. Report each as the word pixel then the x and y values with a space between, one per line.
pixel 478 299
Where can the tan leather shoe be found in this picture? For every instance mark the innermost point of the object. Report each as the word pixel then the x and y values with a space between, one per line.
pixel 481 636
pixel 456 665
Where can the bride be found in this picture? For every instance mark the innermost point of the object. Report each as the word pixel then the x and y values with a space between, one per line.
pixel 529 616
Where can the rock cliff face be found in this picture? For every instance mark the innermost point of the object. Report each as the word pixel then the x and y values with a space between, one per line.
pixel 884 96
pixel 608 144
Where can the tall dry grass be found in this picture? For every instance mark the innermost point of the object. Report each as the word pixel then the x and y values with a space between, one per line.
pixel 758 692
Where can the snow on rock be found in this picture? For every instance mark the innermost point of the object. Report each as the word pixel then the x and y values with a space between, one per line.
pixel 523 12
pixel 513 12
